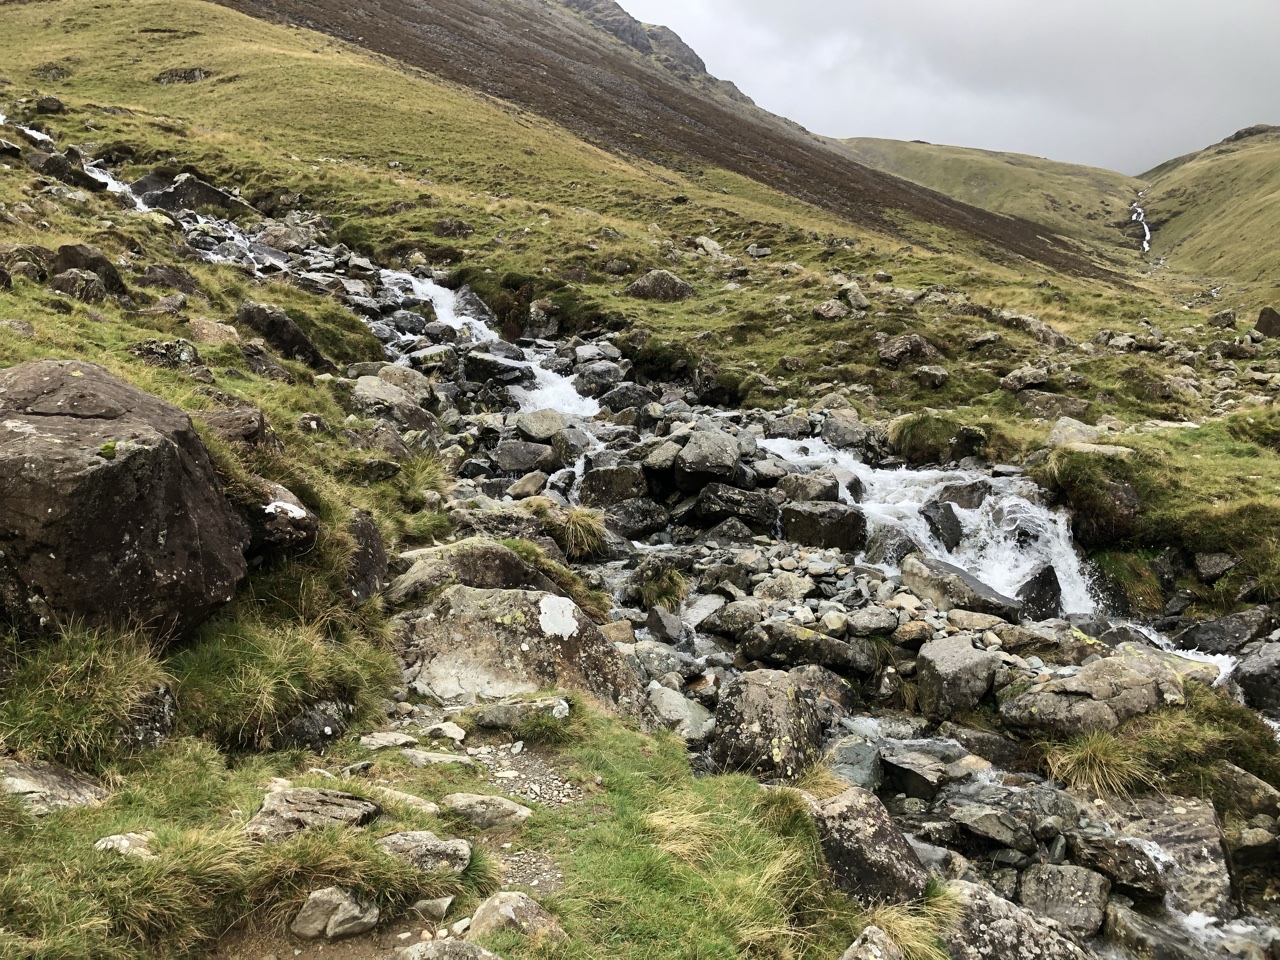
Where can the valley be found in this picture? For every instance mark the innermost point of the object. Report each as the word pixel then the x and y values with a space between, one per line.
pixel 440 523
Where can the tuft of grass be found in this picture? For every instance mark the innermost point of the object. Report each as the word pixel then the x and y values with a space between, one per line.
pixel 594 603
pixel 241 682
pixel 1174 749
pixel 917 929
pixel 666 588
pixel 72 699
pixel 579 531
pixel 929 437
pixel 819 781
pixel 1100 764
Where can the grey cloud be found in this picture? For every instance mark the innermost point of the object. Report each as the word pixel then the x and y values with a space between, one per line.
pixel 1123 84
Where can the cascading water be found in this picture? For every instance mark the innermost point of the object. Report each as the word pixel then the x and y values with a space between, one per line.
pixel 1140 216
pixel 1007 539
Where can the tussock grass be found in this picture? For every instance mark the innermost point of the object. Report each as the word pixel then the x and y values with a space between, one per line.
pixel 666 588
pixel 1171 749
pixel 917 929
pixel 579 531
pixel 821 782
pixel 71 699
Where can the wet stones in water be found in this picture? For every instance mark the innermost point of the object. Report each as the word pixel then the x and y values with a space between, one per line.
pixel 967 496
pixel 607 486
pixel 636 519
pixel 948 586
pixel 944 524
pixel 481 366
pixel 518 457
pixel 1041 596
pixel 818 487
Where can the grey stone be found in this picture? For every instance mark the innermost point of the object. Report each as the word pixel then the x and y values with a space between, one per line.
pixel 487 812
pixel 867 853
pixel 953 676
pixel 286 812
pixel 333 913
pixel 990 928
pixel 766 724
pixel 45 788
pixel 516 913
pixel 427 852
pixel 949 586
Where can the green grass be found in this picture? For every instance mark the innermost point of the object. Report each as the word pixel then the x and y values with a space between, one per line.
pixel 666 587
pixel 594 603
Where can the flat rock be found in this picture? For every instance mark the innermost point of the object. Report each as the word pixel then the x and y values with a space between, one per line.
pixel 427 852
pixel 487 812
pixel 287 812
pixel 46 788
pixel 948 586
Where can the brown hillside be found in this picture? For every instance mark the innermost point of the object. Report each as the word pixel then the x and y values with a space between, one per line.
pixel 556 63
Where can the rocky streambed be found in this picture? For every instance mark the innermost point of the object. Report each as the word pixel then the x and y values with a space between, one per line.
pixel 781 592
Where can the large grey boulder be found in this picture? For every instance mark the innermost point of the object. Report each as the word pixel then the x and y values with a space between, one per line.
pixel 662 285
pixel 44 788
pixel 676 712
pixel 379 399
pixel 867 853
pixel 953 676
pixel 286 812
pixel 112 511
pixel 718 502
pixel 517 913
pixel 707 457
pixel 606 486
pixel 949 588
pixel 473 562
pixel 767 724
pixel 827 525
pixel 1258 675
pixel 990 928
pixel 1075 897
pixel 279 329
pixel 501 643
pixel 1103 695
pixel 1227 634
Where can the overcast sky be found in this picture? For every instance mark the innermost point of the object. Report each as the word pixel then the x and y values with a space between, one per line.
pixel 1123 84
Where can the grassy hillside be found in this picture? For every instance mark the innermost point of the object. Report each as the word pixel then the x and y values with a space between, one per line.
pixel 1083 202
pixel 1217 212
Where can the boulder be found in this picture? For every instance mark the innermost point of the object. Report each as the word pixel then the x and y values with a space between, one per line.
pixel 487 812
pixel 1075 897
pixel 953 676
pixel 519 457
pixel 1268 322
pixel 58 167
pixel 481 366
pixel 378 399
pixel 79 285
pixel 246 425
pixel 1138 934
pixel 45 788
pixel 286 812
pixel 279 522
pixel 818 487
pixel 718 502
pixel 79 256
pixel 827 525
pixel 513 714
pixel 1249 794
pixel 1227 634
pixel 606 486
pixel 637 518
pixel 944 524
pixel 843 430
pixel 767 724
pixel 786 643
pixel 1041 595
pixel 676 712
pixel 333 913
pixel 661 285
pixel 367 565
pixel 186 192
pixel 867 853
pixel 500 643
pixel 995 825
pixel 990 928
pixel 909 346
pixel 1258 676
pixel 112 512
pixel 539 426
pixel 1103 695
pixel 707 457
pixel 517 913
pixel 425 851
pixel 950 587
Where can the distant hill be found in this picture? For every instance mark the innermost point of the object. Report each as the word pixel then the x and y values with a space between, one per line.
pixel 1217 212
pixel 1083 202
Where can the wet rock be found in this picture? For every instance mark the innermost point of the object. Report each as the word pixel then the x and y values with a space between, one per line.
pixel 661 285
pixel 953 676
pixel 112 509
pixel 943 524
pixel 333 913
pixel 519 457
pixel 767 724
pixel 817 487
pixel 990 927
pixel 517 913
pixel 948 586
pixel 1140 935
pixel 287 812
pixel 1101 696
pixel 481 366
pixel 186 192
pixel 1227 634
pixel 1041 596
pixel 1258 675
pixel 45 788
pixel 500 643
pixel 867 853
pixel 890 545
pixel 425 851
pixel 539 426
pixel 487 812
pixel 843 430
pixel 58 167
pixel 998 826
pixel 825 525
pixel 1075 897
